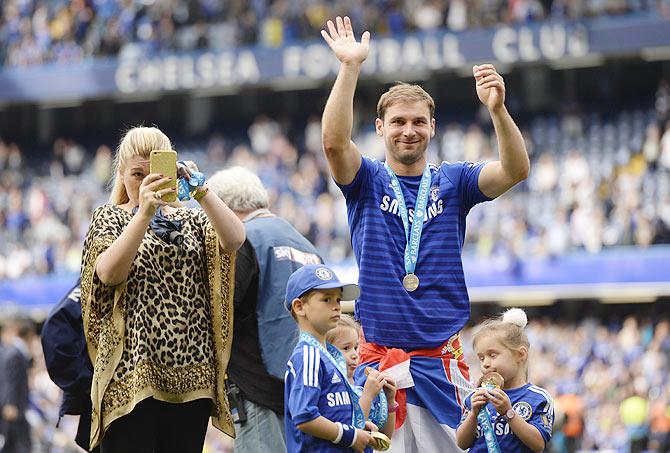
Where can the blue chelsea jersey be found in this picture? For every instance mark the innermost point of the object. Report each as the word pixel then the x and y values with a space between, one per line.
pixel 439 307
pixel 530 402
pixel 313 387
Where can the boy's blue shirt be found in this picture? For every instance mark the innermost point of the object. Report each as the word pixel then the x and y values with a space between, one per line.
pixel 313 387
pixel 530 402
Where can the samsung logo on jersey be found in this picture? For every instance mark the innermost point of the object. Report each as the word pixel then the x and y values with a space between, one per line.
pixel 389 204
pixel 499 428
pixel 338 399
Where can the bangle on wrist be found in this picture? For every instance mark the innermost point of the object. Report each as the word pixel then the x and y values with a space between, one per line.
pixel 394 408
pixel 353 441
pixel 339 433
pixel 201 192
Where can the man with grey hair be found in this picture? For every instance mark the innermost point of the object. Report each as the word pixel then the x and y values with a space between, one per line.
pixel 264 333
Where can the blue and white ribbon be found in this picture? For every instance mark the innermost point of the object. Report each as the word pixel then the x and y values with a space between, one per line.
pixel 413 235
pixel 484 420
pixel 337 359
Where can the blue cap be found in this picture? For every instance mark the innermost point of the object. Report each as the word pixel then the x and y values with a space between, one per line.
pixel 316 276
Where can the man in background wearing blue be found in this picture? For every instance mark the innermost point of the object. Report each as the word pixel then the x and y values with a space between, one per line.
pixel 264 333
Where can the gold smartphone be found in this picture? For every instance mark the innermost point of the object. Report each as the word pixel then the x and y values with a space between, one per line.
pixel 164 161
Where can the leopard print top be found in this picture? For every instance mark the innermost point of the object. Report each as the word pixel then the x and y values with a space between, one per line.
pixel 165 331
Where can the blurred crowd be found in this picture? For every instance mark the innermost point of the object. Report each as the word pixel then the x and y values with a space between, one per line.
pixel 596 182
pixel 65 31
pixel 609 383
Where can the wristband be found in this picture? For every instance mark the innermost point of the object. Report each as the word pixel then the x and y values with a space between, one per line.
pixel 394 408
pixel 346 435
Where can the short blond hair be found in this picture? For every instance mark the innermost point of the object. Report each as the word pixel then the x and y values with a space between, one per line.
pixel 137 141
pixel 345 322
pixel 404 92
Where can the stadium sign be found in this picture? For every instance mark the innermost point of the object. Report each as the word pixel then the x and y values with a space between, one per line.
pixel 188 72
pixel 412 53
pixel 405 56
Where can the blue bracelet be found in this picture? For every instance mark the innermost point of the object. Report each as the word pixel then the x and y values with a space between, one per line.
pixel 187 188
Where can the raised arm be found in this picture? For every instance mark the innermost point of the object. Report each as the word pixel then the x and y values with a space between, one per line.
pixel 343 156
pixel 115 262
pixel 228 227
pixel 499 176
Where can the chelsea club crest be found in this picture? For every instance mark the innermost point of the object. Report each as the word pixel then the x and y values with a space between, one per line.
pixel 523 409
pixel 324 274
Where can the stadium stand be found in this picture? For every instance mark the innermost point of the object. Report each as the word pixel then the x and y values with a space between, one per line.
pixel 597 182
pixel 38 31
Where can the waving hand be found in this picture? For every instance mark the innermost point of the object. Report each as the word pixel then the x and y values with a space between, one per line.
pixel 340 37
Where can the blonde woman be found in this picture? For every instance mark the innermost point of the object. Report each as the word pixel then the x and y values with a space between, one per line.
pixel 157 316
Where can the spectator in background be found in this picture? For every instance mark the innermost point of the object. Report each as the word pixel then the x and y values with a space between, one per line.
pixel 39 31
pixel 662 103
pixel 619 197
pixel 634 412
pixel 15 362
pixel 264 334
pixel 659 425
pixel 571 407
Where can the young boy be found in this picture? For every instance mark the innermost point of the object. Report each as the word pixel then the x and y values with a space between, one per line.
pixel 320 408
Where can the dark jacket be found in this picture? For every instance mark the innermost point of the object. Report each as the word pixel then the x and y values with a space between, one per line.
pixel 14 365
pixel 67 360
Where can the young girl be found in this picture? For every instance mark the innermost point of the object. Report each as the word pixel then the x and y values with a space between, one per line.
pixel 378 407
pixel 521 414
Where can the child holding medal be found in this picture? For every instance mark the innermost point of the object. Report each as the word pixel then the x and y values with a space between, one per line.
pixel 321 409
pixel 506 413
pixel 378 406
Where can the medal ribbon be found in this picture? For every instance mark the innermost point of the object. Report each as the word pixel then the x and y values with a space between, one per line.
pixel 336 358
pixel 484 420
pixel 412 236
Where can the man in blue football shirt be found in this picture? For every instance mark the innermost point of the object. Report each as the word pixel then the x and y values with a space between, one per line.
pixel 413 298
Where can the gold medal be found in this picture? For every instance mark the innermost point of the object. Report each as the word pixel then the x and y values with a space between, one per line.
pixel 380 441
pixel 410 282
pixel 492 380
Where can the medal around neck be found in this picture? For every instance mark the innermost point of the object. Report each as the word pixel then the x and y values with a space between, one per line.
pixel 412 231
pixel 410 282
